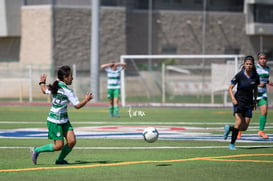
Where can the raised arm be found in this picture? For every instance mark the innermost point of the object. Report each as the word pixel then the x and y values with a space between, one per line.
pixel 42 83
pixel 106 65
pixel 120 64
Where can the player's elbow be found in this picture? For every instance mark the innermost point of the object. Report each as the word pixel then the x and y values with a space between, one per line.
pixel 78 106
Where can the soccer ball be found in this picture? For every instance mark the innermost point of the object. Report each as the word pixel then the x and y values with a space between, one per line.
pixel 150 134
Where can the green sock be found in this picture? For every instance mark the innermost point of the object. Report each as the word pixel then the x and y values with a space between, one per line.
pixel 45 148
pixel 116 110
pixel 65 151
pixel 111 110
pixel 262 122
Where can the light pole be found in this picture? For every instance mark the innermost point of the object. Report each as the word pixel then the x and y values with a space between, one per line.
pixel 94 61
pixel 150 32
pixel 204 27
pixel 261 32
pixel 204 45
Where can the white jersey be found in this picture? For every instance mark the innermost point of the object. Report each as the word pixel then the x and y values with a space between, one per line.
pixel 263 72
pixel 113 77
pixel 58 112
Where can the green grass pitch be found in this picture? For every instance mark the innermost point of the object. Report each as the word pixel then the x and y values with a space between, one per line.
pixel 134 159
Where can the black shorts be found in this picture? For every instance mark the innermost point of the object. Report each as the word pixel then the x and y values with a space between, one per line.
pixel 246 111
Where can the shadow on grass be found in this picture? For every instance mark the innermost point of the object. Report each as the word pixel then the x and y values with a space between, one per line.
pixel 94 162
pixel 256 147
pixel 164 165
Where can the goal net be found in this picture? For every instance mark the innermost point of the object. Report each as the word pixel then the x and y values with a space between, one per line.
pixel 177 79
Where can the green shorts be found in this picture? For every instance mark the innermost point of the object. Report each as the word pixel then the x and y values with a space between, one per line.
pixel 113 93
pixel 57 131
pixel 262 102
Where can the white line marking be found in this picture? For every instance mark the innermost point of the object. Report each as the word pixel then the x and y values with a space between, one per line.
pixel 145 148
pixel 130 123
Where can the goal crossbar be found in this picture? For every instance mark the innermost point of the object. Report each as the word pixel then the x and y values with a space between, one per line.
pixel 211 56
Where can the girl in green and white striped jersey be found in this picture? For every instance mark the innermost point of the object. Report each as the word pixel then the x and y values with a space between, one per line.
pixel 264 71
pixel 113 85
pixel 59 126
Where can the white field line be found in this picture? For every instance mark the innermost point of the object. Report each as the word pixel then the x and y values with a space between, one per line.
pixel 132 123
pixel 145 148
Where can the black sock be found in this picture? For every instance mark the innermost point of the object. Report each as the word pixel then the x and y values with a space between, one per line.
pixel 234 134
pixel 231 128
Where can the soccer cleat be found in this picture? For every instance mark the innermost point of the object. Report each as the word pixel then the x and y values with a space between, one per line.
pixel 232 147
pixel 115 116
pixel 239 136
pixel 61 162
pixel 34 156
pixel 263 135
pixel 227 131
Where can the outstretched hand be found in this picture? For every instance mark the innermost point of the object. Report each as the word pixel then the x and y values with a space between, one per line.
pixel 43 78
pixel 88 96
pixel 86 99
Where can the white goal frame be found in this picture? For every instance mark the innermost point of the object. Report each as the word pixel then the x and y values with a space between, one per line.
pixel 157 57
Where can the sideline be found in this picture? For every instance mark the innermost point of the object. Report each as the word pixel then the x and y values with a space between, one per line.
pixel 253 125
pixel 217 158
pixel 144 148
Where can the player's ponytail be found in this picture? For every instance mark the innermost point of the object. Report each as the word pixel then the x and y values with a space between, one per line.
pixel 54 87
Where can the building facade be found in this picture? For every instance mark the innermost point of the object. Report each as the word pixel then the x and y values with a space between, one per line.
pixel 134 27
pixel 57 32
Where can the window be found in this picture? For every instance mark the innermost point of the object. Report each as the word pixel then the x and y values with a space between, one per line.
pixel 169 49
pixel 263 13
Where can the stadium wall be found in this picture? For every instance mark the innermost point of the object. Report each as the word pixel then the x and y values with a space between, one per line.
pixel 72 36
pixel 63 37
pixel 126 32
pixel 66 40
pixel 182 31
pixel 36 41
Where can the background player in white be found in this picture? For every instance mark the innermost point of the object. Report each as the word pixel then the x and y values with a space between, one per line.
pixel 58 123
pixel 113 85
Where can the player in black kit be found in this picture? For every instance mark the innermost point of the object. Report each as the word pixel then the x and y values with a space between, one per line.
pixel 244 100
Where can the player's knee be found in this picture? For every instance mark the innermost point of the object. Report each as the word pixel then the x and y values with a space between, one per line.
pixel 71 143
pixel 243 128
pixel 58 147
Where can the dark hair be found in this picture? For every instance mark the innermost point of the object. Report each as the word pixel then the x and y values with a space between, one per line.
pixel 63 71
pixel 251 58
pixel 261 54
pixel 113 64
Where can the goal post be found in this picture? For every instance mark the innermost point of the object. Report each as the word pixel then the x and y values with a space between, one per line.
pixel 157 58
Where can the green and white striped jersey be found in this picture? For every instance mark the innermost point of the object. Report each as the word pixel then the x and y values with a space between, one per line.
pixel 58 112
pixel 113 77
pixel 264 73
